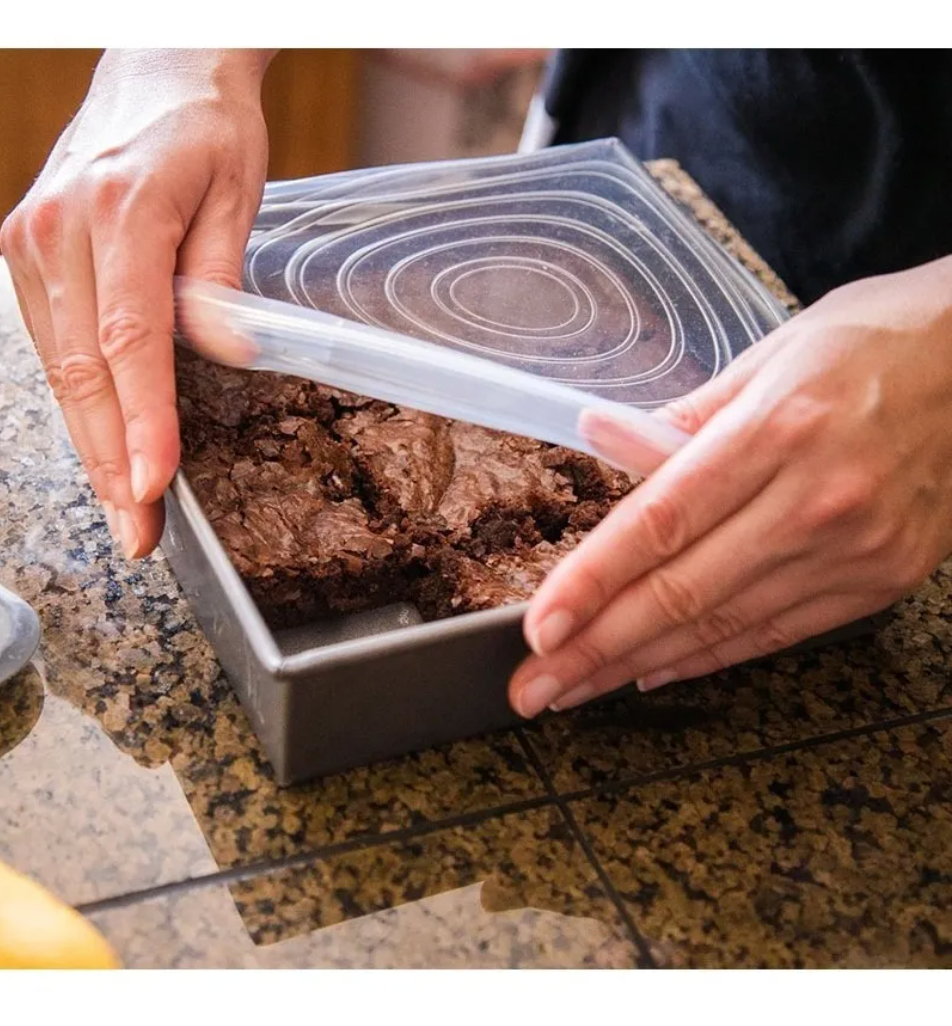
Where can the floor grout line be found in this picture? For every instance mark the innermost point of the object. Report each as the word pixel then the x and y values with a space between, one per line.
pixel 644 951
pixel 754 755
pixel 553 797
pixel 264 867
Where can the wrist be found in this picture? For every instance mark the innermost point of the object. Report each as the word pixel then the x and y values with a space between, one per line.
pixel 223 68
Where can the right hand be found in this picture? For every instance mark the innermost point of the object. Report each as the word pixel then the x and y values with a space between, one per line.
pixel 160 172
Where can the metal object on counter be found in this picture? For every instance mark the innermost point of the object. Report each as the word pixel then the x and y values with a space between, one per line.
pixel 353 690
pixel 356 689
pixel 19 634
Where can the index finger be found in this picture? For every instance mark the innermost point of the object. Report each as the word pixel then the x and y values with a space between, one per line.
pixel 134 263
pixel 692 493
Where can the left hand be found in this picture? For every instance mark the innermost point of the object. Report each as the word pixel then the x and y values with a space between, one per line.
pixel 817 488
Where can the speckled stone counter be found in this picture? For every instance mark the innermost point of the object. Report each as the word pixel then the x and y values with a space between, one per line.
pixel 795 812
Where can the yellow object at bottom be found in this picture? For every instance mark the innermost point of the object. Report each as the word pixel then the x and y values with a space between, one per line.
pixel 38 931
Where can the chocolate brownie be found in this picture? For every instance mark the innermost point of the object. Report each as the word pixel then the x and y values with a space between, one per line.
pixel 465 584
pixel 330 503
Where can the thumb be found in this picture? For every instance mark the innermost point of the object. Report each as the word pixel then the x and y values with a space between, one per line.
pixel 213 254
pixel 214 249
pixel 625 445
pixel 692 411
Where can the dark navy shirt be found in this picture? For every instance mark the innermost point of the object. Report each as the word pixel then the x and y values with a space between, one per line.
pixel 834 164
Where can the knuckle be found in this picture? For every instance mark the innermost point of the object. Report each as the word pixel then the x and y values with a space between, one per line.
pixel 797 422
pixel 718 627
pixel 55 378
pixel 664 525
pixel 82 377
pixel 103 472
pixel 590 656
pixel 683 413
pixel 713 662
pixel 220 271
pixel 843 499
pixel 624 670
pixel 122 335
pixel 44 222
pixel 11 234
pixel 589 585
pixel 111 188
pixel 677 600
pixel 878 540
pixel 118 194
pixel 770 637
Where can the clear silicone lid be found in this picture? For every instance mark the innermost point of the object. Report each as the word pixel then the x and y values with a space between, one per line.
pixel 567 276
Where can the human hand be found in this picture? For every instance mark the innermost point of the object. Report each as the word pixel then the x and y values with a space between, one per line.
pixel 161 170
pixel 817 488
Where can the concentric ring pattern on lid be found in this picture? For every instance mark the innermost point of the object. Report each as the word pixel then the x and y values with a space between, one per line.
pixel 570 263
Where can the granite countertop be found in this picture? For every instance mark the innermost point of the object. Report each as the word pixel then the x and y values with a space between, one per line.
pixel 794 812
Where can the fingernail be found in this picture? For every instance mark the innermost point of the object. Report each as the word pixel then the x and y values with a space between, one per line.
pixel 552 632
pixel 596 427
pixel 128 535
pixel 624 444
pixel 658 679
pixel 140 477
pixel 110 511
pixel 537 695
pixel 575 697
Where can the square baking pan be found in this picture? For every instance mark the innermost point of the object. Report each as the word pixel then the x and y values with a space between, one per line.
pixel 353 690
pixel 643 308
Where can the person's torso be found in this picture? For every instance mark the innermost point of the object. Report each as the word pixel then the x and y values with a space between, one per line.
pixel 835 165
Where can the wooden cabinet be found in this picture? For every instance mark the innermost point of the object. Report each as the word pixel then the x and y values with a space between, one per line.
pixel 312 106
pixel 310 101
pixel 40 91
